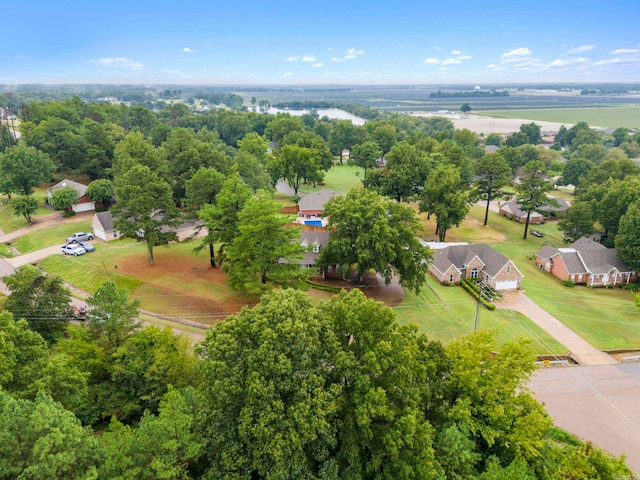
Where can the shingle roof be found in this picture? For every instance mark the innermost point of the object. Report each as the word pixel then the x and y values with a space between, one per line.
pixel 460 256
pixel 317 200
pixel 319 237
pixel 586 256
pixel 106 220
pixel 78 187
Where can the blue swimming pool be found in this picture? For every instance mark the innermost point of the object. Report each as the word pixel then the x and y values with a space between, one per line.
pixel 315 223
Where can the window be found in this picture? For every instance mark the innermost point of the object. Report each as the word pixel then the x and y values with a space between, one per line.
pixel 451 278
pixel 316 248
pixel 330 268
pixel 509 269
pixel 474 273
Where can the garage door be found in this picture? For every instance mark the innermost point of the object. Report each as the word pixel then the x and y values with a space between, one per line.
pixel 84 207
pixel 507 285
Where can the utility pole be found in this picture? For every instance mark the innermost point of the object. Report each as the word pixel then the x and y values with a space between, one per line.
pixel 475 323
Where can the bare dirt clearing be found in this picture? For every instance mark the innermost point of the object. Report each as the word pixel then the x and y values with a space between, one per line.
pixel 487 125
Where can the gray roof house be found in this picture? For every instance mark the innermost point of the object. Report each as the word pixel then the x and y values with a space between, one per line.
pixel 456 262
pixel 585 261
pixel 83 204
pixel 313 203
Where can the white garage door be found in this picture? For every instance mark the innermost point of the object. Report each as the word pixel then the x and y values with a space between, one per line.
pixel 507 285
pixel 84 207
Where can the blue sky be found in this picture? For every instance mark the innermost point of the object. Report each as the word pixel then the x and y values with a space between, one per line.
pixel 320 42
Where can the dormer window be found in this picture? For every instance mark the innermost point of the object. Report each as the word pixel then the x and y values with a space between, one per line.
pixel 474 273
pixel 315 248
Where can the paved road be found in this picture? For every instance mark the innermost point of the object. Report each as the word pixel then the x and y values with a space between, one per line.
pixel 581 350
pixel 597 403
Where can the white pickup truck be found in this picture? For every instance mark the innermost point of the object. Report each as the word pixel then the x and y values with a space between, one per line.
pixel 79 237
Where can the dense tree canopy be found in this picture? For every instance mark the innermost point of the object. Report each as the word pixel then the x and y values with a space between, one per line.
pixel 22 168
pixel 369 232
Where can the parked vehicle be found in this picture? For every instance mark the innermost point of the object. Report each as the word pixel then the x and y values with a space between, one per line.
pixel 73 249
pixel 79 313
pixel 80 237
pixel 87 246
pixel 536 233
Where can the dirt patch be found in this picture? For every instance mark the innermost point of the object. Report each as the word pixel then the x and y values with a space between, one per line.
pixel 183 288
pixel 470 230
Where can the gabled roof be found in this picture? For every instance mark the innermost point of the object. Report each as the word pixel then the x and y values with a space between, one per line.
pixel 105 219
pixel 317 200
pixel 78 187
pixel 513 208
pixel 460 255
pixel 319 237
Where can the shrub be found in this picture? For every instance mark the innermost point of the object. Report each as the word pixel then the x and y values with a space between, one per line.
pixel 568 283
pixel 473 290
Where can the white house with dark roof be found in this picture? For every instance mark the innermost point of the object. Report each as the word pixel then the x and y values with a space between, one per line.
pixel 456 262
pixel 586 261
pixel 103 227
pixel 83 204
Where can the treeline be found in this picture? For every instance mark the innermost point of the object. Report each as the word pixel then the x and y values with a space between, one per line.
pixel 472 94
pixel 605 91
pixel 288 389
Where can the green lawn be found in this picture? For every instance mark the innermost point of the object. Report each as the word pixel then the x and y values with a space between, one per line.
pixel 613 117
pixel 10 222
pixel 445 313
pixel 607 318
pixel 341 178
pixel 48 237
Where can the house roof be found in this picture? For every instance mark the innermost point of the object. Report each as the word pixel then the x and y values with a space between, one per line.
pixel 317 200
pixel 105 219
pixel 319 237
pixel 562 206
pixel 513 208
pixel 586 256
pixel 78 187
pixel 460 255
pixel 491 148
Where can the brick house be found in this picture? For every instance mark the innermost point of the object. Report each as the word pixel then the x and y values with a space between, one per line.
pixel 456 262
pixel 586 261
pixel 311 205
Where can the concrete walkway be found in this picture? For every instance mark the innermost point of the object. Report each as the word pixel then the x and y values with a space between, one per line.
pixel 580 350
pixel 33 257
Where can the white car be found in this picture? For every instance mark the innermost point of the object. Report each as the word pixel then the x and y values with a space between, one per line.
pixel 73 249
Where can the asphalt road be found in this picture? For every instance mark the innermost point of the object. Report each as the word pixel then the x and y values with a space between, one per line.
pixel 600 404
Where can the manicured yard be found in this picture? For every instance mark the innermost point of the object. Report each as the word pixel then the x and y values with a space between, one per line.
pixel 445 313
pixel 179 284
pixel 10 222
pixel 607 318
pixel 48 237
pixel 341 178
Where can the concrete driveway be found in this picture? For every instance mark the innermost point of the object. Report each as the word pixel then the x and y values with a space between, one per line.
pixel 33 257
pixel 580 350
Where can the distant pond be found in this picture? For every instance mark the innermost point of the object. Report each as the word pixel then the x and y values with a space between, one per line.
pixel 332 113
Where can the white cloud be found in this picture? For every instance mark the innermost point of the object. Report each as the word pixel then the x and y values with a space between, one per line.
pixel 581 49
pixel 308 58
pixel 565 62
pixel 336 59
pixel 456 52
pixel 21 57
pixel 436 48
pixel 293 59
pixel 171 71
pixel 515 55
pixel 354 51
pixel 452 61
pixel 289 74
pixel 612 61
pixel 431 61
pixel 463 57
pixel 624 51
pixel 119 62
pixel 350 57
pixel 317 65
pixel 187 50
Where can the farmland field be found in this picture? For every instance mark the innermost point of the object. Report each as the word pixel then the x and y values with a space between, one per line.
pixel 606 117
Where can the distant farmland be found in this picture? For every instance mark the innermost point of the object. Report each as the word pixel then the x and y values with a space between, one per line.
pixel 606 117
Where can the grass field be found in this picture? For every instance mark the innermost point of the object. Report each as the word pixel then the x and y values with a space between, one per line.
pixel 341 178
pixel 48 237
pixel 10 222
pixel 606 117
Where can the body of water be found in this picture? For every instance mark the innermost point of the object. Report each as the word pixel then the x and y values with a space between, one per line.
pixel 332 113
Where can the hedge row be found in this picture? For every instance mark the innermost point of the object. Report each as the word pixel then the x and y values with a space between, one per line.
pixel 320 286
pixel 470 287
